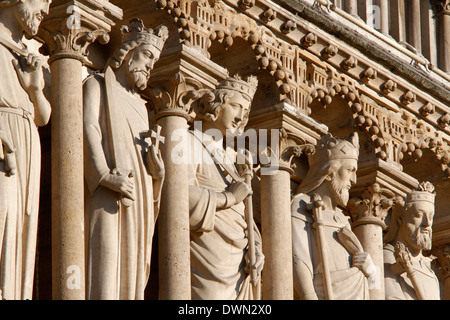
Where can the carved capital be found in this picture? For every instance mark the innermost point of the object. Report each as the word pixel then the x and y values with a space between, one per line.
pixel 72 26
pixel 443 259
pixel 372 207
pixel 176 97
pixel 441 7
pixel 281 150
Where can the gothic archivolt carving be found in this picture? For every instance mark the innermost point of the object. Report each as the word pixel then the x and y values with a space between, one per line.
pixel 202 22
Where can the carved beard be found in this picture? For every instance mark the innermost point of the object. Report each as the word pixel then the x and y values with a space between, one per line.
pixel 421 238
pixel 140 78
pixel 26 16
pixel 340 192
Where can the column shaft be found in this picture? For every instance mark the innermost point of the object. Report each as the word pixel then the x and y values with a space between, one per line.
pixel 444 31
pixel 351 7
pixel 173 226
pixel 67 181
pixel 371 237
pixel 415 38
pixel 384 18
pixel 277 238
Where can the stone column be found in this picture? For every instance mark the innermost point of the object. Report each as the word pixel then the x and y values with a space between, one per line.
pixel 443 260
pixel 415 30
pixel 384 16
pixel 277 281
pixel 378 185
pixel 398 19
pixel 175 83
pixel 291 136
pixel 174 242
pixel 430 37
pixel 368 214
pixel 66 37
pixel 443 16
pixel 351 7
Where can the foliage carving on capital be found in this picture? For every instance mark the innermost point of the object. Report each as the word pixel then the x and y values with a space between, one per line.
pixel 176 97
pixel 443 258
pixel 441 6
pixel 372 206
pixel 73 44
pixel 282 153
pixel 71 28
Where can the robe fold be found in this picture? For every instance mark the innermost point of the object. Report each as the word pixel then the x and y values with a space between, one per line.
pixel 348 283
pixel 219 240
pixel 118 238
pixel 19 194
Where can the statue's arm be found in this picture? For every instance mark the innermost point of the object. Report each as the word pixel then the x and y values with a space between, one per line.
pixel 42 109
pixel 31 77
pixel 96 166
pixel 393 288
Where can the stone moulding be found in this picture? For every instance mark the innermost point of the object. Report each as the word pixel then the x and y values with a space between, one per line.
pixel 286 42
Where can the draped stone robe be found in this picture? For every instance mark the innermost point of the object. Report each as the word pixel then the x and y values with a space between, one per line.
pixel 219 240
pixel 19 193
pixel 348 283
pixel 118 238
pixel 398 285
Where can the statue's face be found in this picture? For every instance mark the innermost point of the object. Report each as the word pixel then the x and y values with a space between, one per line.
pixel 233 114
pixel 141 62
pixel 416 223
pixel 342 180
pixel 30 14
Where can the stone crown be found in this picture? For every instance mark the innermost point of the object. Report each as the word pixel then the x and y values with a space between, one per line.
pixel 247 87
pixel 424 192
pixel 330 148
pixel 136 31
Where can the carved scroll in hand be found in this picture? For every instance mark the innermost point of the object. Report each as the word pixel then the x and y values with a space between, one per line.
pixel 350 241
pixel 362 260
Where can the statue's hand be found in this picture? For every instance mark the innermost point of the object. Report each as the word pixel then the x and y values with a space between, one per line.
pixel 259 262
pixel 155 163
pixel 363 261
pixel 122 184
pixel 8 153
pixel 240 191
pixel 403 257
pixel 29 72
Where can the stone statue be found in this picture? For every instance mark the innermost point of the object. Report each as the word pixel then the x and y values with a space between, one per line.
pixel 329 262
pixel 23 107
pixel 124 171
pixel 220 233
pixel 408 273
